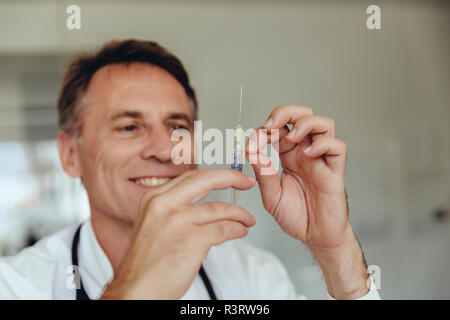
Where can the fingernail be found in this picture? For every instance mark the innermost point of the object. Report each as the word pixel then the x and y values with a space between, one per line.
pixel 268 123
pixel 292 133
pixel 251 179
pixel 307 149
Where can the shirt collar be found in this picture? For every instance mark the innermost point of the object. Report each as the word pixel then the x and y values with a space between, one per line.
pixel 95 269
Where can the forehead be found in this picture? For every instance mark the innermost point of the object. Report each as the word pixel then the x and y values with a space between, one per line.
pixel 141 86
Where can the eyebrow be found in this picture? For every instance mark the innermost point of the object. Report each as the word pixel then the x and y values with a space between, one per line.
pixel 139 115
pixel 182 116
pixel 126 114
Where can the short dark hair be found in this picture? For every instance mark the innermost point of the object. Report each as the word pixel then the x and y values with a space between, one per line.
pixel 81 69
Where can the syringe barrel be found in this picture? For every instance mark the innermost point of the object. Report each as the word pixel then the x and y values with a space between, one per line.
pixel 238 148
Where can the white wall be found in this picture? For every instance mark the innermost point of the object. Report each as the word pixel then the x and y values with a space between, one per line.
pixel 387 90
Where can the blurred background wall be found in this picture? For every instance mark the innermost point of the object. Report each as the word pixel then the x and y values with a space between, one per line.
pixel 388 91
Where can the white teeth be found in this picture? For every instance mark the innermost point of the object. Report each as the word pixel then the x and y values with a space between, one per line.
pixel 151 182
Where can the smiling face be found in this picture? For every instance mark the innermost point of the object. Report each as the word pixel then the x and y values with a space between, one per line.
pixel 125 148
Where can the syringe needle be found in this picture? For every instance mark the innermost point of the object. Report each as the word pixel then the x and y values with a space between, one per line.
pixel 238 147
pixel 240 103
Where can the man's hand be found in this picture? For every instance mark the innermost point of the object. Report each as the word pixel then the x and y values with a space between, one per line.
pixel 309 200
pixel 172 235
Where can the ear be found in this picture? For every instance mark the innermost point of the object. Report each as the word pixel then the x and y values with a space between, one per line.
pixel 68 154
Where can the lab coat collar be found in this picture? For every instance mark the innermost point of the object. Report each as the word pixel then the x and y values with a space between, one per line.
pixel 95 269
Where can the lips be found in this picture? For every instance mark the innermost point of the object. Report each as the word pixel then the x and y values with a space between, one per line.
pixel 150 181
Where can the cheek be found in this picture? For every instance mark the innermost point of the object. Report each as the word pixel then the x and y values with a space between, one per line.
pixel 105 161
pixel 115 156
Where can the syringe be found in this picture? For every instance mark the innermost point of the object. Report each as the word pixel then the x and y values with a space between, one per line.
pixel 238 148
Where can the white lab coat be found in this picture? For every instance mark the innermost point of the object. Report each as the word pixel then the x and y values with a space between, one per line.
pixel 236 269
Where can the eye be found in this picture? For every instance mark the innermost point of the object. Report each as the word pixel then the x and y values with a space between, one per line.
pixel 129 128
pixel 178 127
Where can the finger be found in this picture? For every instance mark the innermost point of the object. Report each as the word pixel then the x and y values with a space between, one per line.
pixel 282 115
pixel 334 150
pixel 218 232
pixel 198 185
pixel 311 125
pixel 268 180
pixel 260 137
pixel 216 211
pixel 166 186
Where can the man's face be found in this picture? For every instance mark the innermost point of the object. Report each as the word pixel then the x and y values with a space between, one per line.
pixel 125 146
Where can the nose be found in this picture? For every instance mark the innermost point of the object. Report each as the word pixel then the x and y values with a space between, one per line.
pixel 158 145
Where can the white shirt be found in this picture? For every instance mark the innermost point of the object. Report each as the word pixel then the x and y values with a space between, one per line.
pixel 236 269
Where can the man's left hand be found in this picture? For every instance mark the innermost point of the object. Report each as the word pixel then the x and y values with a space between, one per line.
pixel 309 200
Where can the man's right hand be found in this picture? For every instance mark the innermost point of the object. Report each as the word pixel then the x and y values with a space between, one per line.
pixel 172 235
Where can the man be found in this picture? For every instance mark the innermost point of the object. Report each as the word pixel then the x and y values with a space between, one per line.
pixel 147 237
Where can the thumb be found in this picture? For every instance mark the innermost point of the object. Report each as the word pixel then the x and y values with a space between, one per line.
pixel 267 178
